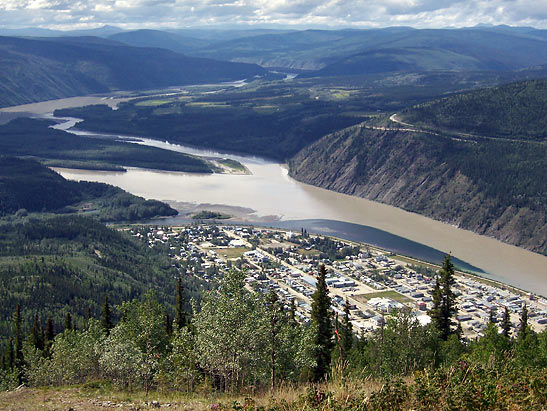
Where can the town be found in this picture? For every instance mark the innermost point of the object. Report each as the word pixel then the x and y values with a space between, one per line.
pixel 373 283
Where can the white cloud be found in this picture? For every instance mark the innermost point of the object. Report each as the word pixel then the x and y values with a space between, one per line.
pixel 354 13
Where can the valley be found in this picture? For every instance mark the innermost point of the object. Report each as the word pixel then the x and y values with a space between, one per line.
pixel 257 215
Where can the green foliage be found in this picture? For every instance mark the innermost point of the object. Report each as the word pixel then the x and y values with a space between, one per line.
pixel 26 185
pixel 321 317
pixel 31 137
pixel 444 300
pixel 66 263
pixel 227 121
pixel 209 215
pixel 231 334
pixel 402 347
pixel 515 111
pixel 45 68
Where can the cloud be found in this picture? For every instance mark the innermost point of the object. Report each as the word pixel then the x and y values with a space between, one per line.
pixel 335 13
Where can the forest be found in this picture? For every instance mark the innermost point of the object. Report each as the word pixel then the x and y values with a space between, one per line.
pixel 31 137
pixel 28 186
pixel 515 111
pixel 240 342
pixel 62 265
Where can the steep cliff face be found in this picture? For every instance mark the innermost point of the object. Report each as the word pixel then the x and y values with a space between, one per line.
pixel 420 173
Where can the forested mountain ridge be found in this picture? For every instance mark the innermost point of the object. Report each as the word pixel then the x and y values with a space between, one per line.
pixel 513 111
pixel 494 187
pixel 28 186
pixel 48 68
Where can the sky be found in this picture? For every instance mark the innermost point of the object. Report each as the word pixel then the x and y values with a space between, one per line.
pixel 134 14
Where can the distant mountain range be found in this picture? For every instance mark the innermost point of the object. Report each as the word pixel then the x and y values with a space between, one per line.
pixel 48 68
pixel 60 64
pixel 343 52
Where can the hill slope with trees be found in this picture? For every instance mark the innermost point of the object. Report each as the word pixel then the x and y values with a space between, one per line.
pixel 28 186
pixel 493 187
pixel 514 111
pixel 49 68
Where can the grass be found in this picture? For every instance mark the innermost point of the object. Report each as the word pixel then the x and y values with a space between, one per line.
pixel 90 397
pixel 233 164
pixel 301 251
pixel 394 295
pixel 232 252
pixel 152 103
pixel 203 104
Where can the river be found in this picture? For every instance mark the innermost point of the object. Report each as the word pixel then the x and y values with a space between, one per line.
pixel 271 195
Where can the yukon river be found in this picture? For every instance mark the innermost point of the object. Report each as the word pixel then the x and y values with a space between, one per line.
pixel 272 195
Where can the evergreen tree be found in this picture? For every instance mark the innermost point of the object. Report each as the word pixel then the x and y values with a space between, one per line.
pixel 68 322
pixel 321 317
pixel 18 349
pixel 292 313
pixel 50 332
pixel 274 314
pixel 37 334
pixel 347 331
pixel 444 299
pixel 10 355
pixel 523 326
pixel 168 324
pixel 106 319
pixel 180 318
pixel 506 323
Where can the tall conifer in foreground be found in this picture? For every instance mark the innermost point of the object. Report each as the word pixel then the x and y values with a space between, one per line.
pixel 321 317
pixel 506 323
pixel 444 299
pixel 106 318
pixel 180 316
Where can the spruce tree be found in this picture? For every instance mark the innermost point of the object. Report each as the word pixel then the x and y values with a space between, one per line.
pixel 321 317
pixel 523 326
pixel 68 322
pixel 180 318
pixel 274 314
pixel 50 332
pixel 106 318
pixel 37 334
pixel 18 354
pixel 168 324
pixel 444 299
pixel 347 331
pixel 506 323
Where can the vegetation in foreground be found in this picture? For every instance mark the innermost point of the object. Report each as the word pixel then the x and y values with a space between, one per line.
pixel 250 347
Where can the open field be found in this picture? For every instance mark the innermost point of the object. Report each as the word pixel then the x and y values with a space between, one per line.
pixel 231 252
pixel 394 295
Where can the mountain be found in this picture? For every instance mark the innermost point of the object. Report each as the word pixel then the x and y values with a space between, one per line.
pixel 343 52
pixel 103 31
pixel 492 186
pixel 178 43
pixel 31 137
pixel 515 111
pixel 56 265
pixel 30 186
pixel 49 68
pixel 426 50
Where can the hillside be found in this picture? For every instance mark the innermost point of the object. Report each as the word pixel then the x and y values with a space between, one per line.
pixel 352 52
pixel 516 111
pixel 495 188
pixel 48 68
pixel 31 137
pixel 68 264
pixel 30 186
